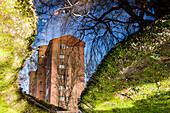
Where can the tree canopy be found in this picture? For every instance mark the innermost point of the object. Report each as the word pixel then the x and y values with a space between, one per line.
pixel 101 23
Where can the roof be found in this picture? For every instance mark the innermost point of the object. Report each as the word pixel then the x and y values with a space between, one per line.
pixel 69 39
pixel 42 46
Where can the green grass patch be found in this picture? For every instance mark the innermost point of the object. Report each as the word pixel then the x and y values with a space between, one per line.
pixel 130 75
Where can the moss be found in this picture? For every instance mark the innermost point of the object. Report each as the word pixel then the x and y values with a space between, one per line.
pixel 17 32
pixel 128 72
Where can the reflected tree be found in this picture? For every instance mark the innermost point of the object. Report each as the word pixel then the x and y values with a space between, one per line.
pixel 101 23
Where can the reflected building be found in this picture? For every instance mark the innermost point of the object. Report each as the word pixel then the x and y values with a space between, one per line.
pixel 32 83
pixel 60 76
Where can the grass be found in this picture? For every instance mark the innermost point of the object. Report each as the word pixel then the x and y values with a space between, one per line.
pixel 16 35
pixel 147 95
pixel 129 75
pixel 17 32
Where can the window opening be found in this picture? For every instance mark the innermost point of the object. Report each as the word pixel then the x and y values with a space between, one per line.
pixel 61 66
pixel 40 92
pixel 40 82
pixel 61 98
pixel 66 87
pixel 62 46
pixel 61 76
pixel 61 87
pixel 62 56
pixel 67 99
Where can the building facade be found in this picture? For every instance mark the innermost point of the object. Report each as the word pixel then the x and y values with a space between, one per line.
pixel 60 75
pixel 40 76
pixel 32 83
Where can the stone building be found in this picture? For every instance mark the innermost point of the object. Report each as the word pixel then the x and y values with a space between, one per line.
pixel 60 77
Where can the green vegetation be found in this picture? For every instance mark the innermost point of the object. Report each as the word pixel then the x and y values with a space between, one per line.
pixel 134 76
pixel 129 79
pixel 17 31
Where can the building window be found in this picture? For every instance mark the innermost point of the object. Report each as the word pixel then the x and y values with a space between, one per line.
pixel 62 56
pixel 61 66
pixel 42 64
pixel 67 56
pixel 67 47
pixel 67 88
pixel 42 56
pixel 40 82
pixel 67 99
pixel 40 92
pixel 61 76
pixel 61 87
pixel 61 71
pixel 61 98
pixel 67 77
pixel 67 66
pixel 62 46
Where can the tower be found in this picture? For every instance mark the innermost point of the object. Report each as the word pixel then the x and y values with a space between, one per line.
pixel 40 76
pixel 60 75
pixel 65 71
pixel 32 83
